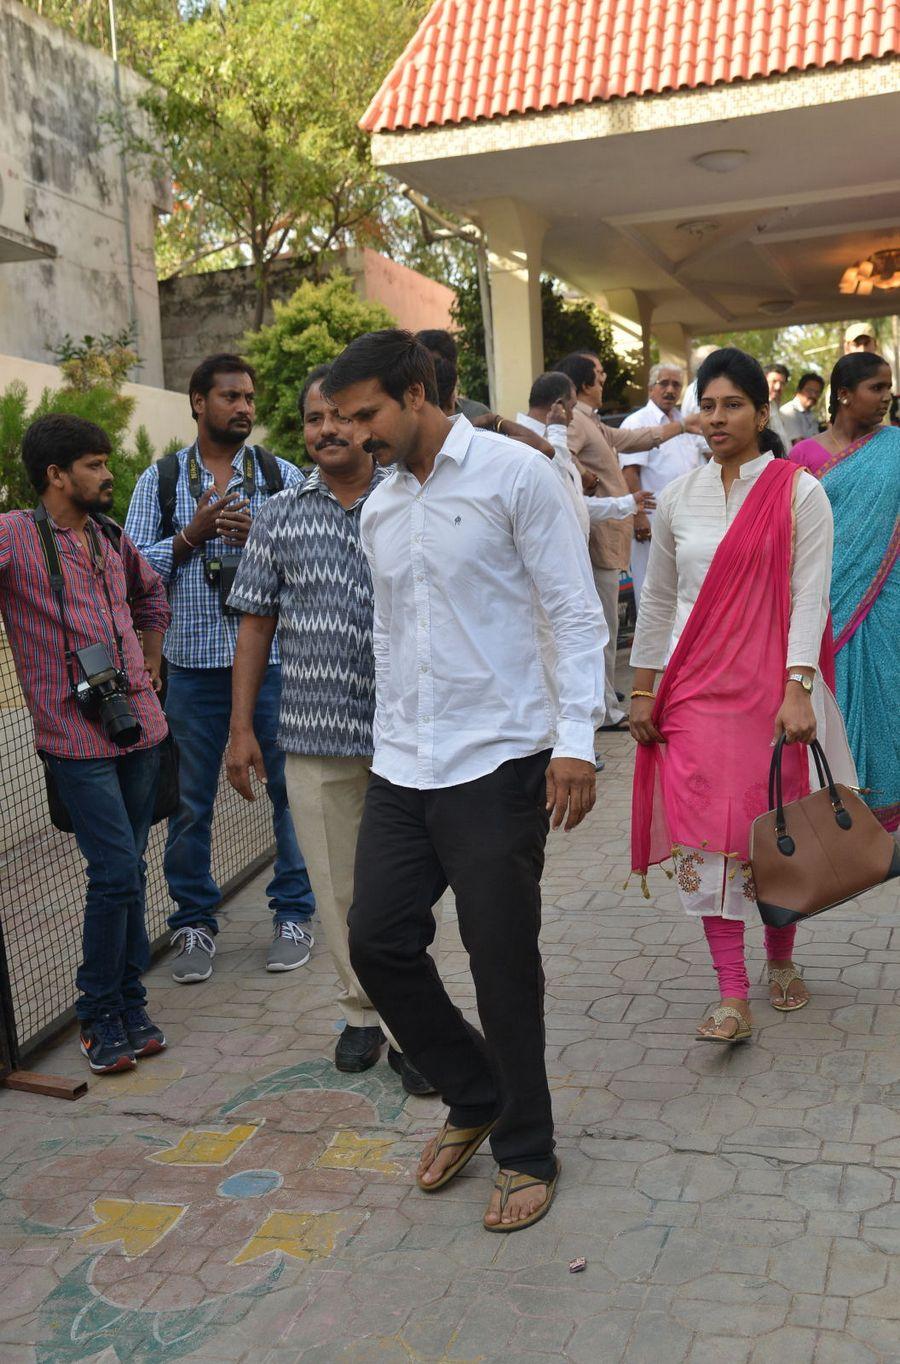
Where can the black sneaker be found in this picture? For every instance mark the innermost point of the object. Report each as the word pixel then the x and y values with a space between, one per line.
pixel 358 1049
pixel 106 1046
pixel 145 1037
pixel 413 1080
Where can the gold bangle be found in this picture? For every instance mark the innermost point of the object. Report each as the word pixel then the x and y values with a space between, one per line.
pixel 651 696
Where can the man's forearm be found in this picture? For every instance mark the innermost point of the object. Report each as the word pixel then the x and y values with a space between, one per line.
pixel 632 474
pixel 251 658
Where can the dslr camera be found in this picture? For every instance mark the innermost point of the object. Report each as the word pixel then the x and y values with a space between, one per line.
pixel 102 696
pixel 220 573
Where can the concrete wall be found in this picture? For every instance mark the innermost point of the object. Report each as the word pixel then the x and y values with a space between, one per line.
pixel 60 183
pixel 201 314
pixel 165 415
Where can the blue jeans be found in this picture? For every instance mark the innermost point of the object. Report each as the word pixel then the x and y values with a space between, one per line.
pixel 111 802
pixel 198 708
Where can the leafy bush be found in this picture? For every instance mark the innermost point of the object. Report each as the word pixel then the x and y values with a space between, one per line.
pixel 569 325
pixel 311 328
pixel 96 360
pixel 100 404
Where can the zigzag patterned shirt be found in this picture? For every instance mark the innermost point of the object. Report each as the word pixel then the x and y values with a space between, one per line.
pixel 304 564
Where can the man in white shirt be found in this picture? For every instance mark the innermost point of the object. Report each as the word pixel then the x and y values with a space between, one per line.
pixel 471 542
pixel 550 406
pixel 799 415
pixel 652 470
pixel 776 377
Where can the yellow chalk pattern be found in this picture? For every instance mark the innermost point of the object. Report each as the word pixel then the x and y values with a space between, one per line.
pixel 198 1147
pixel 347 1151
pixel 139 1226
pixel 302 1235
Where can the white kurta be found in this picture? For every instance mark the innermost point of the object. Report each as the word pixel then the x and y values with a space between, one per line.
pixel 691 520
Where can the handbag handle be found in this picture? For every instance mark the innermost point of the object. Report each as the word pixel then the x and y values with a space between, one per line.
pixel 785 843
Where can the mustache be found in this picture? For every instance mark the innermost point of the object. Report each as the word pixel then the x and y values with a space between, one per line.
pixel 330 442
pixel 106 487
pixel 372 446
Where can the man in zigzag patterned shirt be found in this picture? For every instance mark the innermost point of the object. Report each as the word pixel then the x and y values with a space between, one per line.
pixel 304 570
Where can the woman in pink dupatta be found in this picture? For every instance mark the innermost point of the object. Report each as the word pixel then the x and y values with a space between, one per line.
pixel 733 614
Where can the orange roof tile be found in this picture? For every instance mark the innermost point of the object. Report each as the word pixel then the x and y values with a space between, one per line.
pixel 472 59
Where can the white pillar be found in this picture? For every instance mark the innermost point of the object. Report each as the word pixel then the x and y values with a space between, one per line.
pixel 674 345
pixel 514 238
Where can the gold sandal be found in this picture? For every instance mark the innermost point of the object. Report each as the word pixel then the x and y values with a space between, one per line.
pixel 468 1139
pixel 512 1183
pixel 718 1016
pixel 784 977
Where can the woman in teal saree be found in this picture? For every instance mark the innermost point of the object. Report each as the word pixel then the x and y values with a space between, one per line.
pixel 857 461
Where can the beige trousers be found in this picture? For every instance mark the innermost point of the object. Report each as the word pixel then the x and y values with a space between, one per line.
pixel 606 581
pixel 326 797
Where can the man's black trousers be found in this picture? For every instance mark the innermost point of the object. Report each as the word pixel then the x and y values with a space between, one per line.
pixel 485 839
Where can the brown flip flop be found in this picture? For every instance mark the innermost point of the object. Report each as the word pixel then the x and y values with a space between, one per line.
pixel 468 1139
pixel 513 1183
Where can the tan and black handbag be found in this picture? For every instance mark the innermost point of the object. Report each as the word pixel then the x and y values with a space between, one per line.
pixel 817 852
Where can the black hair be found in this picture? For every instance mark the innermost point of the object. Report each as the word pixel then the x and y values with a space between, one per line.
pixel 779 369
pixel 849 372
pixel 808 377
pixel 395 358
pixel 748 375
pixel 314 376
pixel 446 376
pixel 439 342
pixel 203 377
pixel 580 368
pixel 549 388
pixel 60 439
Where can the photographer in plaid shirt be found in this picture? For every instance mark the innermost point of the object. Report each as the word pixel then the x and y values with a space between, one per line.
pixel 104 760
pixel 220 484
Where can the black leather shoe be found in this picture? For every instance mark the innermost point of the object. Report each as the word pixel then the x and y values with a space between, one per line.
pixel 413 1080
pixel 358 1049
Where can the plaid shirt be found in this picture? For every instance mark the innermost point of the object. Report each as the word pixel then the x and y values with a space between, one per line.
pixel 305 565
pixel 200 635
pixel 36 638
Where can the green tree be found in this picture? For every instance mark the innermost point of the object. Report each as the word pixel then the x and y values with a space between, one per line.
pixel 813 346
pixel 256 105
pixel 568 325
pixel 312 327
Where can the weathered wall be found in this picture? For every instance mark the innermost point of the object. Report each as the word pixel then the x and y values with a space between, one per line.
pixel 166 415
pixel 60 183
pixel 201 314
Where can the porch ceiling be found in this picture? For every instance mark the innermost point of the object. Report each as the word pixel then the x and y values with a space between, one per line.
pixel 763 244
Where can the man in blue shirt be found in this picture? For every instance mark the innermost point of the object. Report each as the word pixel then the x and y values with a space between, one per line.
pixel 192 521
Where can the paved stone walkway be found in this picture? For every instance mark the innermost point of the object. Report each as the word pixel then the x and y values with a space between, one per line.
pixel 237 1200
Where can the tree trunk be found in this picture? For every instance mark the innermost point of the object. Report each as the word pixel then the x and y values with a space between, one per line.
pixel 262 293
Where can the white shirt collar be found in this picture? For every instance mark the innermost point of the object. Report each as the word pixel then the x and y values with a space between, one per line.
pixel 531 422
pixel 748 470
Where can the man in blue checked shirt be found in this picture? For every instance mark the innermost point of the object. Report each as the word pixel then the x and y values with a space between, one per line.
pixel 190 515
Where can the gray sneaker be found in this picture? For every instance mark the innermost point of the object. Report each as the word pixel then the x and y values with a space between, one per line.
pixel 290 947
pixel 194 960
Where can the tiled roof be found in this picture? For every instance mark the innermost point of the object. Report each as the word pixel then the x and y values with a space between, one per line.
pixel 472 59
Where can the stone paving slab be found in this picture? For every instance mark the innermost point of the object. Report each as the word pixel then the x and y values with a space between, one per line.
pixel 237 1200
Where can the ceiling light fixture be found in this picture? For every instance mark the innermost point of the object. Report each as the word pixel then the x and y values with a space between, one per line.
pixel 881 270
pixel 698 227
pixel 721 162
pixel 774 306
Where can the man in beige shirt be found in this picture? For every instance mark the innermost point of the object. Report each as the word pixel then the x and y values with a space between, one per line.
pixel 596 448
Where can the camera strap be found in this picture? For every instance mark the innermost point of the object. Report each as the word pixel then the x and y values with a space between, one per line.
pixel 58 585
pixel 195 476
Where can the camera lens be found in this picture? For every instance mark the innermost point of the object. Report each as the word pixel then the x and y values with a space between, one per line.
pixel 117 721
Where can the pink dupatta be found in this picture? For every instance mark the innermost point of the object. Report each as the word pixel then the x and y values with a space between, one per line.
pixel 721 690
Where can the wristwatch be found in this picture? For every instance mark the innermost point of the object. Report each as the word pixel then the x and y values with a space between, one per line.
pixel 805 682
